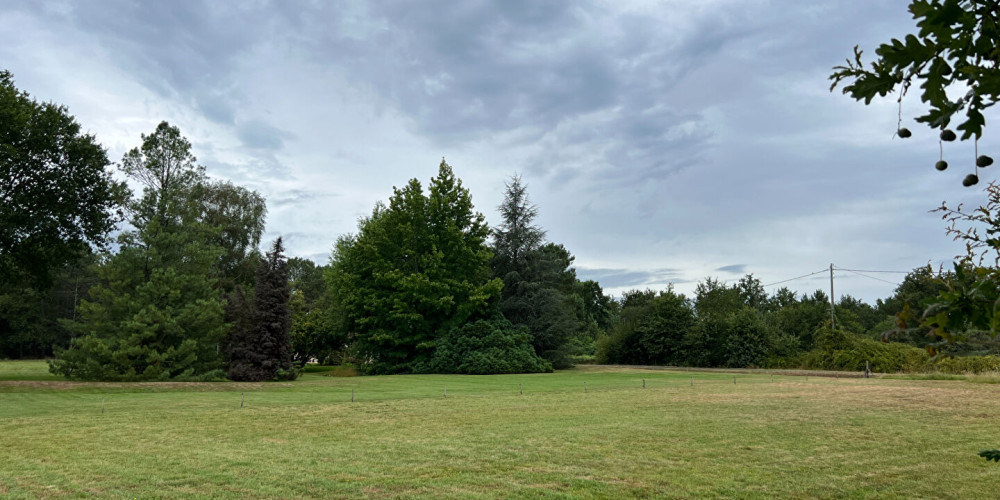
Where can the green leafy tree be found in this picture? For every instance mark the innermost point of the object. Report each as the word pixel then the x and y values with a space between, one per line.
pixel 306 277
pixel 240 215
pixel 966 301
pixel 600 308
pixel 316 314
pixel 29 315
pixel 416 269
pixel 732 329
pixel 803 318
pixel 156 313
pixel 955 59
pixel 651 330
pixel 712 298
pixel 263 350
pixel 57 198
pixel 749 339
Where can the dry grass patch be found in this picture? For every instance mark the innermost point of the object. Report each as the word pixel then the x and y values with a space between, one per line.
pixel 758 438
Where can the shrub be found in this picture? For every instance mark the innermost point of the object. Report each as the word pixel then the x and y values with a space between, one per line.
pixel 840 350
pixel 968 364
pixel 485 348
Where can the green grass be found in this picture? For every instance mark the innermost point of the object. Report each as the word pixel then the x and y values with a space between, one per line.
pixel 759 438
pixel 26 370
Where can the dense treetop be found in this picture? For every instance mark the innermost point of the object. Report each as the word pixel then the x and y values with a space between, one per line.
pixel 57 197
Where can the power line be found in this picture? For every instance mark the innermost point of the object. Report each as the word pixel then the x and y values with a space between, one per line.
pixel 866 276
pixel 797 277
pixel 869 271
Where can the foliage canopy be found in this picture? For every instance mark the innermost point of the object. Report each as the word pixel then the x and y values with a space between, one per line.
pixel 954 57
pixel 415 270
pixel 57 197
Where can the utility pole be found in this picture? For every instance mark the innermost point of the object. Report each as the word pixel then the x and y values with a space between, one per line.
pixel 833 320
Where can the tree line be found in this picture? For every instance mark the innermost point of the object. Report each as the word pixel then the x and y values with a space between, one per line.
pixel 182 291
pixel 424 285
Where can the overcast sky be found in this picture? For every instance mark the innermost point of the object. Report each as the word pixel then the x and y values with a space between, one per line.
pixel 662 141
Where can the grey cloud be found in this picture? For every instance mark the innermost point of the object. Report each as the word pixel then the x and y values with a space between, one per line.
pixel 320 259
pixel 622 278
pixel 179 49
pixel 259 135
pixel 691 128
pixel 217 109
pixel 500 66
pixel 257 170
pixel 461 73
pixel 734 269
pixel 296 196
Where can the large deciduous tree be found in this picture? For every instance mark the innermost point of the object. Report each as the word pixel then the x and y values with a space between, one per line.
pixel 416 269
pixel 651 329
pixel 239 214
pixel 57 196
pixel 316 314
pixel 954 58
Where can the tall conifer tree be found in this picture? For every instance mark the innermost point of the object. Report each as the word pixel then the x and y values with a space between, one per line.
pixel 263 351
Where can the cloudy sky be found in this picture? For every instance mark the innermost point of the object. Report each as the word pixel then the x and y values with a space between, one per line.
pixel 662 141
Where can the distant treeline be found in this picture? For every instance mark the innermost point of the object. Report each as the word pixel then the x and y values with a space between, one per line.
pixel 740 326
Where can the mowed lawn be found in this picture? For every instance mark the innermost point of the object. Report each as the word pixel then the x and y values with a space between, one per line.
pixel 762 437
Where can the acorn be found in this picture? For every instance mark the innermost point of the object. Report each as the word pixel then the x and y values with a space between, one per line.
pixel 984 161
pixel 970 180
pixel 904 133
pixel 941 165
pixel 948 135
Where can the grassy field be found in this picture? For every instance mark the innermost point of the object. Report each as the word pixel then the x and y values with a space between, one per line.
pixel 761 437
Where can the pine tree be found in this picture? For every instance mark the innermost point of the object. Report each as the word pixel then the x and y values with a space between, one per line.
pixel 156 313
pixel 263 351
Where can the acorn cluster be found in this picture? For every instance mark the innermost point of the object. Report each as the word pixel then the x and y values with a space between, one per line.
pixel 949 136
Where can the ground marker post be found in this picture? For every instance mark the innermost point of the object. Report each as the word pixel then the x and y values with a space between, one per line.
pixel 520 389
pixel 584 387
pixel 692 380
pixel 734 379
pixel 102 406
pixel 352 394
pixel 445 392
pixel 868 372
pixel 242 399
pixel 643 383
